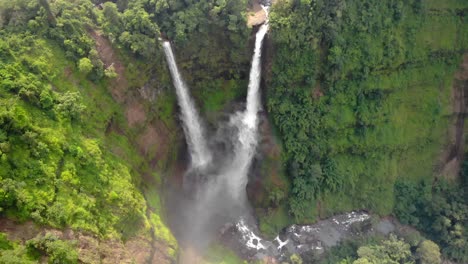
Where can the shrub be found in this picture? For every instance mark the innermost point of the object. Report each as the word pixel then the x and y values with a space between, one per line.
pixel 85 66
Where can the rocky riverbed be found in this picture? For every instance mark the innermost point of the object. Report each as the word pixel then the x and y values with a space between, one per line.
pixel 305 240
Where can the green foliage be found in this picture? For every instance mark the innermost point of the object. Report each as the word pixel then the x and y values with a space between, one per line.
pixel 11 252
pixel 391 251
pixel 428 252
pixel 441 214
pixel 274 221
pixel 345 94
pixel 110 72
pixel 69 105
pixel 57 250
pixel 276 196
pixel 209 38
pixel 410 197
pixel 162 232
pixel 16 14
pixel 382 251
pixel 218 254
pixel 48 245
pixel 55 169
pixel 343 252
pixel 18 255
pixel 85 66
pixel 295 259
pixel 372 250
pixel 4 242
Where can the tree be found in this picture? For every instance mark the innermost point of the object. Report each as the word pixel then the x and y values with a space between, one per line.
pixel 276 196
pixel 112 20
pixel 295 259
pixel 391 251
pixel 50 15
pixel 110 72
pixel 70 105
pixel 428 252
pixel 85 66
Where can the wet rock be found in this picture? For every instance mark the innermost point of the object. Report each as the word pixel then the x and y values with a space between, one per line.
pixel 310 240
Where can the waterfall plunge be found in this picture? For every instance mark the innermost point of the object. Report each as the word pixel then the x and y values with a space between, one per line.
pixel 246 123
pixel 192 125
pixel 253 96
pixel 219 187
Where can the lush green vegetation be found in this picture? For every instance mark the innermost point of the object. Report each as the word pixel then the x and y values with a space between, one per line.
pixel 441 211
pixel 209 36
pixel 60 165
pixel 55 168
pixel 391 250
pixel 360 94
pixel 217 254
pixel 56 250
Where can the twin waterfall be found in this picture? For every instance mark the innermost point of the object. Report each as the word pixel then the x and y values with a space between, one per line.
pixel 218 174
pixel 246 121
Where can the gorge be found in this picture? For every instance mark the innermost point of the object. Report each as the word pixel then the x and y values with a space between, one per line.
pixel 212 131
pixel 218 185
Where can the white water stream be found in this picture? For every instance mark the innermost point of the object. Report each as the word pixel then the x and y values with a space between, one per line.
pixel 193 128
pixel 246 123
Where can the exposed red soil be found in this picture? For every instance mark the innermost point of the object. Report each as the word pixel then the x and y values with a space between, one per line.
pixel 135 114
pixel 153 141
pixel 119 85
pixel 154 138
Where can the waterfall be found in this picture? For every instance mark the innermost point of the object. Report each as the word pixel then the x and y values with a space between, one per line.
pixel 217 193
pixel 253 96
pixel 246 123
pixel 193 129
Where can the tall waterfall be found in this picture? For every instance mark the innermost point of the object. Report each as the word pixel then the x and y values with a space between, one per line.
pixel 253 96
pixel 219 188
pixel 194 132
pixel 247 122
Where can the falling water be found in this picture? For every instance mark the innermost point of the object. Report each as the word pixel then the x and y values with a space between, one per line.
pixel 253 96
pixel 217 194
pixel 192 125
pixel 246 123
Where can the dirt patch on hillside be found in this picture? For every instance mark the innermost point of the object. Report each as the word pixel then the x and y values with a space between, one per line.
pixel 148 138
pixel 119 85
pixel 453 156
pixel 153 140
pixel 135 114
pixel 91 249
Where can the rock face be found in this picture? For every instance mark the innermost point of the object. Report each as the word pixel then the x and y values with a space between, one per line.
pixel 151 135
pixel 308 241
pixel 91 249
pixel 256 14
